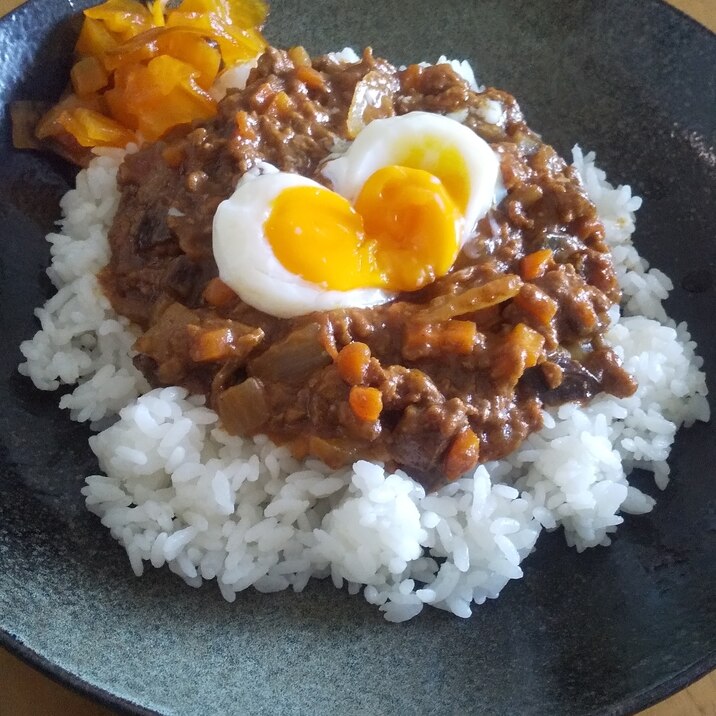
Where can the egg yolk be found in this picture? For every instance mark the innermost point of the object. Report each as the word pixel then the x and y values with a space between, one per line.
pixel 443 160
pixel 403 232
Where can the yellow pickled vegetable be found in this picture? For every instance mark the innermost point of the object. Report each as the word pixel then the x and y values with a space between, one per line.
pixel 154 98
pixel 95 39
pixel 143 69
pixel 226 22
pixel 126 18
pixel 88 76
pixel 182 43
pixel 92 129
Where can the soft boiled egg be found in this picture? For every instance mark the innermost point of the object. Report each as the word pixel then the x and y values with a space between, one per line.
pixel 262 278
pixel 407 194
pixel 464 162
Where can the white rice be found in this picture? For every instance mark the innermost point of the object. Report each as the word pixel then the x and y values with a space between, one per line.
pixel 178 491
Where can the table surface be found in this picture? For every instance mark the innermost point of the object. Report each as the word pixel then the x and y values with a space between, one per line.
pixel 26 692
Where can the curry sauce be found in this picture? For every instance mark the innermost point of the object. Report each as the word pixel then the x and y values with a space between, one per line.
pixel 437 380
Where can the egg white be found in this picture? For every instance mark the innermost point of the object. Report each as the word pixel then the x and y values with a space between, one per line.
pixel 244 256
pixel 247 263
pixel 384 141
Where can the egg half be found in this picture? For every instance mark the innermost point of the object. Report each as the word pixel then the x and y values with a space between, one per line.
pixel 407 194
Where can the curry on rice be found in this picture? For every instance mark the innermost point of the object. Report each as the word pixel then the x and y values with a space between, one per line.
pixel 436 381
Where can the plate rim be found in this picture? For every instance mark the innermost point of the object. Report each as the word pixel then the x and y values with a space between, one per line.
pixel 70 680
pixel 631 704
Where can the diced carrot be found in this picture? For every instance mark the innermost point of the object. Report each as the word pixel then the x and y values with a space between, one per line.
pixel 352 362
pixel 299 56
pixel 366 403
pixel 529 342
pixel 244 128
pixel 88 76
pixel 206 346
pixel 522 348
pixel 281 103
pixel 537 303
pixel 535 264
pixel 263 95
pixel 458 337
pixel 462 455
pixel 310 77
pixel 217 293
pixel 423 339
pixel 220 342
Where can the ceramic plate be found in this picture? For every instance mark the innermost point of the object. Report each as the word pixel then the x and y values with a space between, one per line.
pixel 605 632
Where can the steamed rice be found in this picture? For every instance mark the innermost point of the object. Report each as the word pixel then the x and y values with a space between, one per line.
pixel 179 491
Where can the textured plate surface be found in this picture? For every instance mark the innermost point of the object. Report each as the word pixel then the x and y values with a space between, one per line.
pixel 604 632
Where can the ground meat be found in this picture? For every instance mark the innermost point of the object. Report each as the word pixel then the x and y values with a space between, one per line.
pixel 436 381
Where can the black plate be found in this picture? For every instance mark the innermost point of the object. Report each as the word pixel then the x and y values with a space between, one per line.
pixel 609 631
